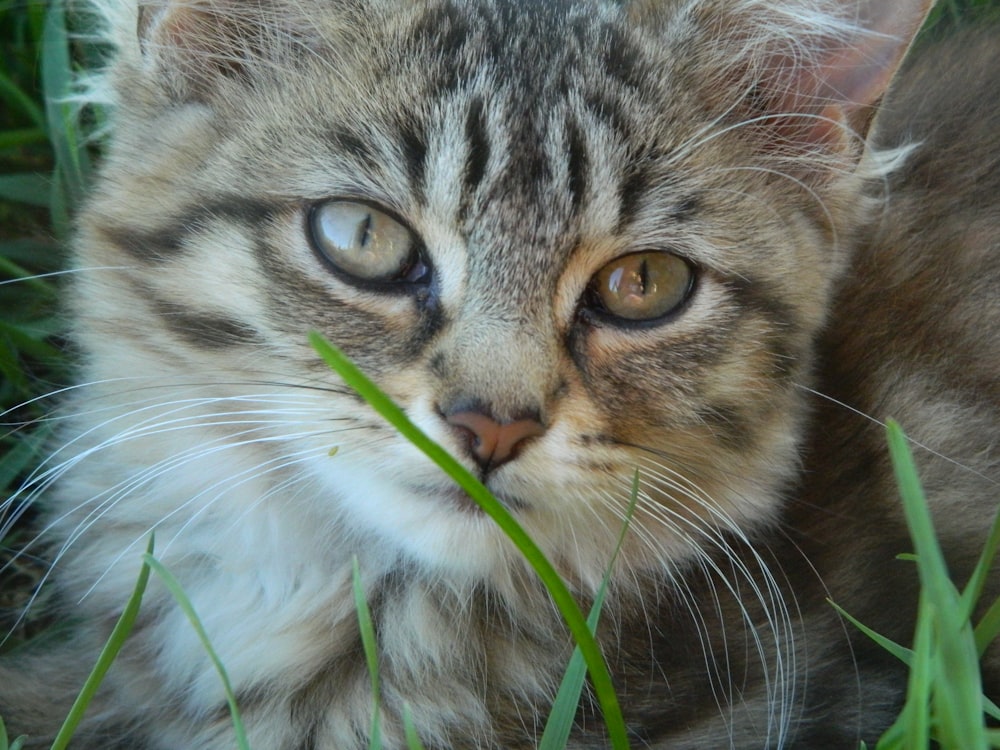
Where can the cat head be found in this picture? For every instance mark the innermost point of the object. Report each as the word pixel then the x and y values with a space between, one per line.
pixel 573 239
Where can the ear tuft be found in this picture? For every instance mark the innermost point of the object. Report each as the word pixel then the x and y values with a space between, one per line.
pixel 847 78
pixel 804 77
pixel 194 46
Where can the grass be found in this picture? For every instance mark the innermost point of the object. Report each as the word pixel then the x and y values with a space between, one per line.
pixel 36 198
pixel 477 491
pixel 945 701
pixel 45 169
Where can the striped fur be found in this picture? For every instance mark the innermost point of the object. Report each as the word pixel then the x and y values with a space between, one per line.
pixel 527 144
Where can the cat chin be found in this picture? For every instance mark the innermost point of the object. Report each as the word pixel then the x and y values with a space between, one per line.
pixel 439 528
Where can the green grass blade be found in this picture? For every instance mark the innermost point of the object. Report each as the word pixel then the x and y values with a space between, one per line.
pixel 563 713
pixel 988 628
pixel 564 707
pixel 957 691
pixel 929 558
pixel 916 712
pixel 114 644
pixel 410 729
pixel 12 95
pixel 11 139
pixel 17 744
pixel 32 189
pixel 991 709
pixel 43 255
pixel 571 613
pixel 22 275
pixel 902 653
pixel 68 144
pixel 977 581
pixel 174 587
pixel 371 652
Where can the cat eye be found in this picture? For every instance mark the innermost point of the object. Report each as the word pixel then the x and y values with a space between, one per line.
pixel 641 287
pixel 365 243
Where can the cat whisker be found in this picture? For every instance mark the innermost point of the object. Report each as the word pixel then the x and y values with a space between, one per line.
pixel 61 273
pixel 229 484
pixel 125 490
pixel 913 441
pixel 263 419
pixel 779 683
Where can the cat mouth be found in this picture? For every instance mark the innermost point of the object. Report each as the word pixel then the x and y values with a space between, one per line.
pixel 461 501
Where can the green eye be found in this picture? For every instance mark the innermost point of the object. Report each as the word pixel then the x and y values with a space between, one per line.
pixel 365 243
pixel 641 286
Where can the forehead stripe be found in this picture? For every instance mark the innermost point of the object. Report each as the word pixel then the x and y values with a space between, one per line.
pixel 478 144
pixel 577 163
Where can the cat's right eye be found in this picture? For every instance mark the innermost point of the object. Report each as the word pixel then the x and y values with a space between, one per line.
pixel 365 243
pixel 643 287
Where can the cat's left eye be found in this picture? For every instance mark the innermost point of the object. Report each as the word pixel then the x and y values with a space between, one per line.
pixel 641 287
pixel 365 243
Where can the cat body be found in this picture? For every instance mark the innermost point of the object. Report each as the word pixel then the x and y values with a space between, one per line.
pixel 575 241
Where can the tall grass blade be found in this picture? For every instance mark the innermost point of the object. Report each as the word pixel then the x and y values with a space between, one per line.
pixel 600 677
pixel 977 581
pixel 988 628
pixel 68 144
pixel 957 693
pixel 21 275
pixel 902 653
pixel 177 591
pixel 370 647
pixel 17 744
pixel 114 644
pixel 991 709
pixel 6 744
pixel 15 98
pixel 410 729
pixel 915 716
pixel 11 139
pixel 32 189
pixel 564 707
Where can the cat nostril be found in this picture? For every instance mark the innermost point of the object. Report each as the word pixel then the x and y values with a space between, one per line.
pixel 490 442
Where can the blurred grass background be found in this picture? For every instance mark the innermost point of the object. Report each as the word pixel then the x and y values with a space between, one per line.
pixel 36 201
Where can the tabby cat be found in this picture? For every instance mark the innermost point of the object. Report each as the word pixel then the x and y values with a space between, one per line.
pixel 576 241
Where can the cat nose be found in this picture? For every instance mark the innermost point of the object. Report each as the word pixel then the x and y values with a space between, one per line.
pixel 492 443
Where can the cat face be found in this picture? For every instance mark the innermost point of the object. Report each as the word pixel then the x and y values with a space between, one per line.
pixel 567 251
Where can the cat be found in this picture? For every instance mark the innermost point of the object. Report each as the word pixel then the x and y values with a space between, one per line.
pixel 578 242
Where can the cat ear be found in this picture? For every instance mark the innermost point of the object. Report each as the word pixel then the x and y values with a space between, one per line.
pixel 802 76
pixel 193 46
pixel 831 94
pixel 188 45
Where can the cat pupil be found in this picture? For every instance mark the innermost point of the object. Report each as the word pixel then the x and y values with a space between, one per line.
pixel 362 242
pixel 365 230
pixel 643 286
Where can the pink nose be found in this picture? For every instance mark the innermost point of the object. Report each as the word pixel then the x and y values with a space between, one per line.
pixel 491 443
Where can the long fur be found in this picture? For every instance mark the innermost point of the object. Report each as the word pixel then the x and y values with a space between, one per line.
pixel 525 146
